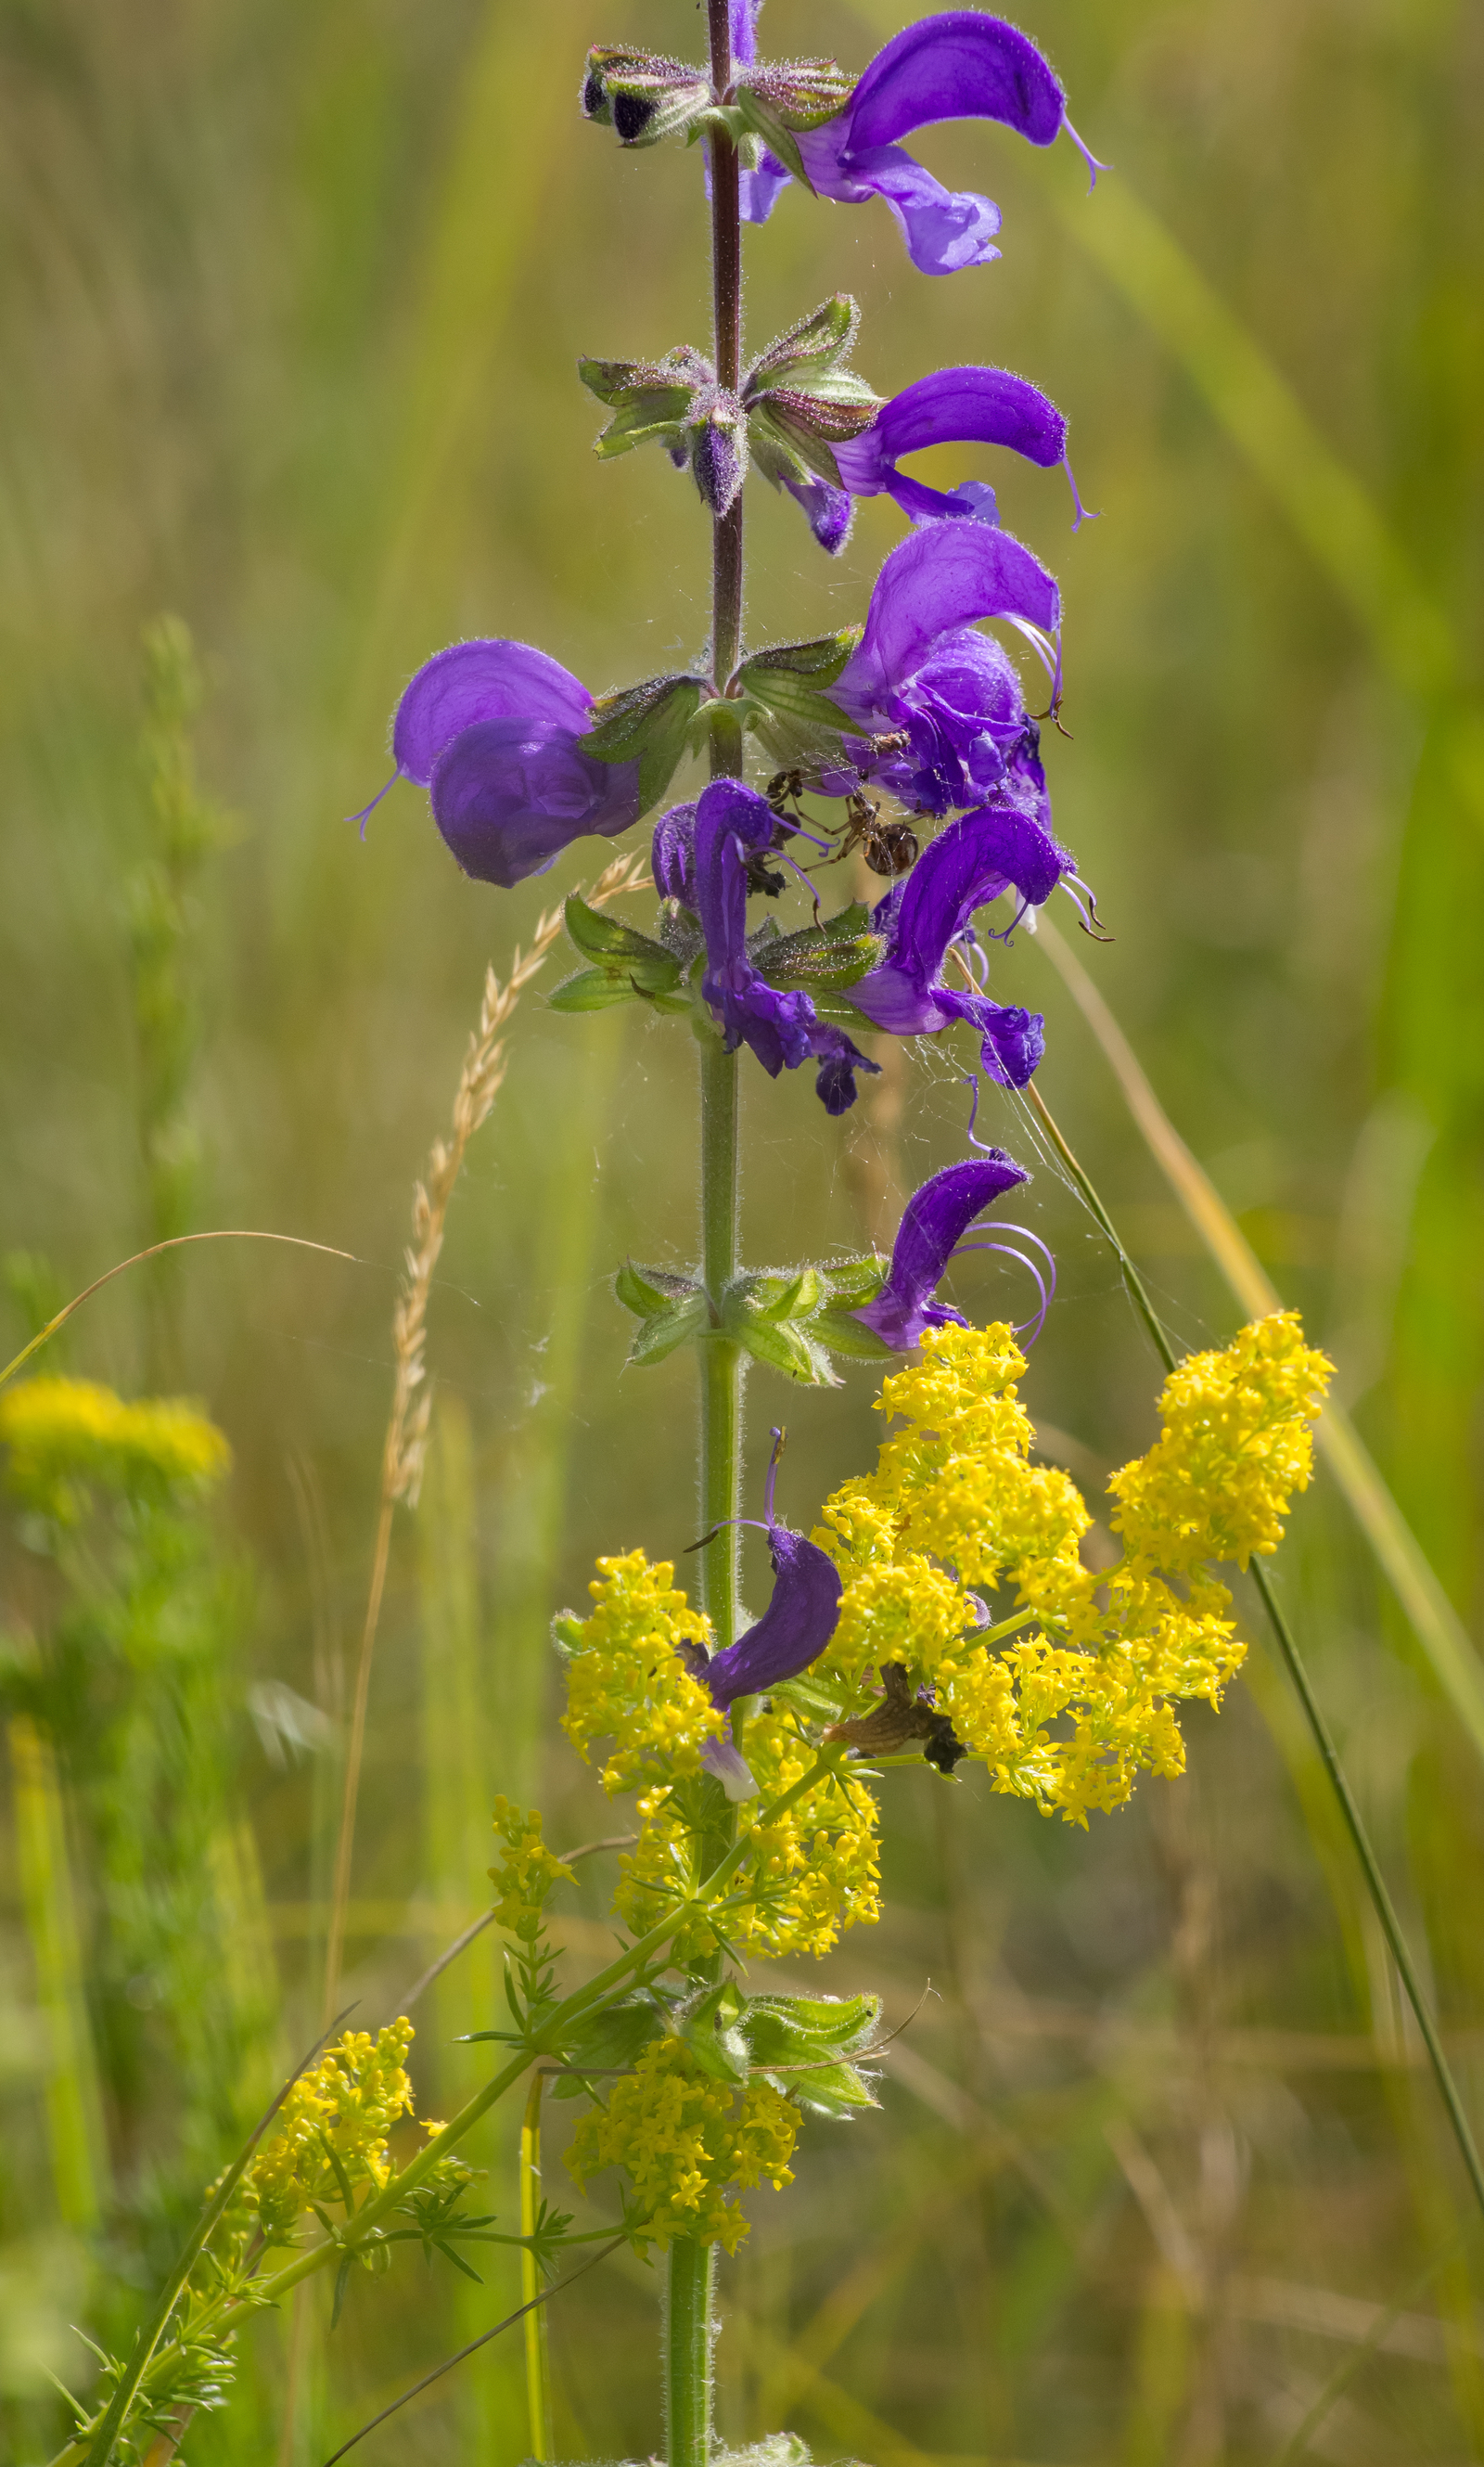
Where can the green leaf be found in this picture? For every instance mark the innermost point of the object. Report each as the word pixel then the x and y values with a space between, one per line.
pixel 661 1332
pixel 820 957
pixel 601 935
pixel 591 989
pixel 840 1333
pixel 611 2039
pixel 807 349
pixel 645 1291
pixel 840 2025
pixel 648 724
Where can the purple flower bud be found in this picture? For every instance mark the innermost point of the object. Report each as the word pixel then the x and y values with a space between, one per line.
pixel 718 456
pixel 933 1222
pixel 796 1626
pixel 672 858
pixel 491 729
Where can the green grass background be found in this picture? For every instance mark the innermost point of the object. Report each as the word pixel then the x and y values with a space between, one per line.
pixel 292 298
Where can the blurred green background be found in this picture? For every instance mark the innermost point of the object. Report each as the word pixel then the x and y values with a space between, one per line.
pixel 292 298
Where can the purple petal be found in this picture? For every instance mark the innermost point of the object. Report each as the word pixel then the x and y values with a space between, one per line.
pixel 796 1626
pixel 743 16
pixel 944 231
pixel 730 819
pixel 960 65
pixel 471 682
pixel 829 511
pixel 995 848
pixel 762 190
pixel 510 794
pixel 672 857
pixel 933 1222
pixel 735 1775
pixel 955 407
pixel 937 580
pixel 835 1080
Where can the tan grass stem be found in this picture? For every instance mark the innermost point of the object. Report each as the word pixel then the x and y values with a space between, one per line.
pixel 405 1446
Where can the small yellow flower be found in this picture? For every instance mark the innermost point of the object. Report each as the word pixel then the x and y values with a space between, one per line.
pixel 625 1679
pixel 687 2142
pixel 527 1870
pixel 346 2104
pixel 64 1435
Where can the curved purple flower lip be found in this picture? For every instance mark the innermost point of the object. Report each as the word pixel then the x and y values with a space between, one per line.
pixel 930 1237
pixel 958 406
pixel 491 729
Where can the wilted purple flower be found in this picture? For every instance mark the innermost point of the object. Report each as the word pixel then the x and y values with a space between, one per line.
pixel 796 1626
pixel 672 855
pixel 960 65
pixel 490 728
pixel 998 848
pixel 782 1028
pixel 933 1222
pixel 922 670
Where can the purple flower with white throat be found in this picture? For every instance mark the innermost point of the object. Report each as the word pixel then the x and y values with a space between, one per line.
pixel 998 848
pixel 491 730
pixel 958 65
pixel 967 406
pixel 922 670
pixel 783 1029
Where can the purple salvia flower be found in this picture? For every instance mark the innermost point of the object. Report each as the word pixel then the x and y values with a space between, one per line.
pixel 783 1029
pixel 921 670
pixel 491 729
pixel 933 1222
pixel 959 65
pixel 995 849
pixel 796 1626
pixel 954 407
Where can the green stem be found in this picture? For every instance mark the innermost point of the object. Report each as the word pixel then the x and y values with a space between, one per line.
pixel 721 1361
pixel 689 2331
pixel 1319 1730
pixel 538 2371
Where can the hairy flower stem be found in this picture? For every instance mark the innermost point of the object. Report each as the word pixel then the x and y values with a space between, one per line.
pixel 1319 1729
pixel 690 2330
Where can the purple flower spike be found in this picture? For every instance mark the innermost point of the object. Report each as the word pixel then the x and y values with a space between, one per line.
pixel 999 848
pixel 959 65
pixel 490 729
pixel 954 407
pixel 783 1029
pixel 921 670
pixel 933 1222
pixel 796 1626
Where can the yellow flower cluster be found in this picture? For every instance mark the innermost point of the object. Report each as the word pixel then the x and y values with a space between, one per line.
pixel 687 2142
pixel 346 2104
pixel 1235 1445
pixel 809 1873
pixel 955 1487
pixel 625 1680
pixel 65 1433
pixel 527 1870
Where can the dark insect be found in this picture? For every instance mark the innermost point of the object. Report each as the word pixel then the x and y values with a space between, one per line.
pixel 898 1719
pixel 887 848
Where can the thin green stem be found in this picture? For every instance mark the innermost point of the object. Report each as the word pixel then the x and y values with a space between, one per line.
pixel 721 1361
pixel 1319 1730
pixel 688 2335
pixel 538 2371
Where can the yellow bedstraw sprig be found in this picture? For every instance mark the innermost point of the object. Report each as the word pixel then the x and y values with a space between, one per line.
pixel 625 1680
pixel 687 2142
pixel 64 1435
pixel 525 1872
pixel 954 1503
pixel 345 2105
